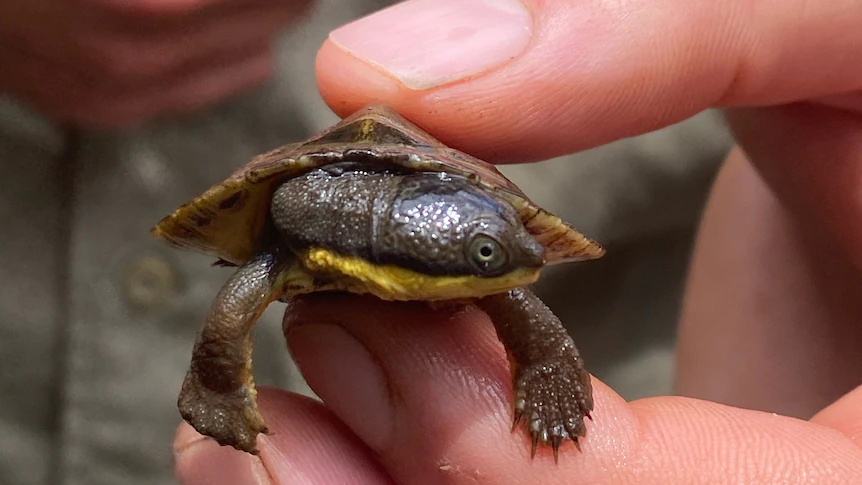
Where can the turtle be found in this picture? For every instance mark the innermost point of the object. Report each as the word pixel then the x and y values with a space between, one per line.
pixel 375 205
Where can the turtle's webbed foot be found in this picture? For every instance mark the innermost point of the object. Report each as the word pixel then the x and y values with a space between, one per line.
pixel 551 400
pixel 229 417
pixel 218 397
pixel 552 390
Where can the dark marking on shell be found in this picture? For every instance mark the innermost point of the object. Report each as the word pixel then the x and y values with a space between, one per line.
pixel 232 201
pixel 552 243
pixel 201 220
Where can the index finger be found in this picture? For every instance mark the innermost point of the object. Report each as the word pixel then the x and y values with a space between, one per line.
pixel 519 81
pixel 430 394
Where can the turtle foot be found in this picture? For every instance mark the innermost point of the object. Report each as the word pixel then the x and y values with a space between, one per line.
pixel 230 418
pixel 552 400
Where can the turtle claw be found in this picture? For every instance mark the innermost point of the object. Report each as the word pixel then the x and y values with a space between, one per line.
pixel 551 402
pixel 577 444
pixel 517 419
pixel 555 444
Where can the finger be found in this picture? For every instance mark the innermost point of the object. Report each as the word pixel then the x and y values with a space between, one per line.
pixel 511 82
pixel 134 54
pixel 809 155
pixel 771 312
pixel 844 415
pixel 308 445
pixel 69 98
pixel 121 52
pixel 430 394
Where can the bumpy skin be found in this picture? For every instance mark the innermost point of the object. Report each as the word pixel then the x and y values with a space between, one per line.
pixel 419 220
pixel 218 396
pixel 389 218
pixel 552 390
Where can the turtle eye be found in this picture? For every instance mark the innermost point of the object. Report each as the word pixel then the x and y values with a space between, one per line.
pixel 487 254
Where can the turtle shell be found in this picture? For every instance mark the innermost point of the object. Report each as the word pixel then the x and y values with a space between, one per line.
pixel 228 220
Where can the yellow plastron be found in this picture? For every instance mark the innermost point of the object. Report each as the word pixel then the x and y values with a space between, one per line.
pixel 391 282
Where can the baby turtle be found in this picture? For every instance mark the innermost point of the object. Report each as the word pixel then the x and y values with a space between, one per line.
pixel 375 205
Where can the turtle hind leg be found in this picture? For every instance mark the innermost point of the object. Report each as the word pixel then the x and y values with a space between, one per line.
pixel 552 390
pixel 218 397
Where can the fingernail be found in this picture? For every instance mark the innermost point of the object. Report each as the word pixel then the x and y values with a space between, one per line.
pixel 344 374
pixel 199 460
pixel 428 43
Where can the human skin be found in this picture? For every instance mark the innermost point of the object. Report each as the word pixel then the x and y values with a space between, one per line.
pixel 110 64
pixel 771 318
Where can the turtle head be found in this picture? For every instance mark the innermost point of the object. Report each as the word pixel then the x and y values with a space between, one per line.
pixel 456 239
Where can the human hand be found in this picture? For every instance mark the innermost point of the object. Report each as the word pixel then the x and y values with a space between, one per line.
pixel 106 63
pixel 417 396
pixel 424 397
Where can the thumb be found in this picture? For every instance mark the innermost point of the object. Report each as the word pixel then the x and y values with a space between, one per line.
pixel 509 80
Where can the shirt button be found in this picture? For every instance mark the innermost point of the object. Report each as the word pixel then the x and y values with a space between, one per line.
pixel 149 282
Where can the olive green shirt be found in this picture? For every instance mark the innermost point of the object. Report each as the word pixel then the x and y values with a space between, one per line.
pixel 97 319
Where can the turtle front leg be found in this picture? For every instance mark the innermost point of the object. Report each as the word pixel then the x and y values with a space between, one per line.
pixel 552 390
pixel 218 397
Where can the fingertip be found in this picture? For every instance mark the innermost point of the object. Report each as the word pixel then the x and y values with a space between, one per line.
pixel 347 83
pixel 511 84
pixel 496 79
